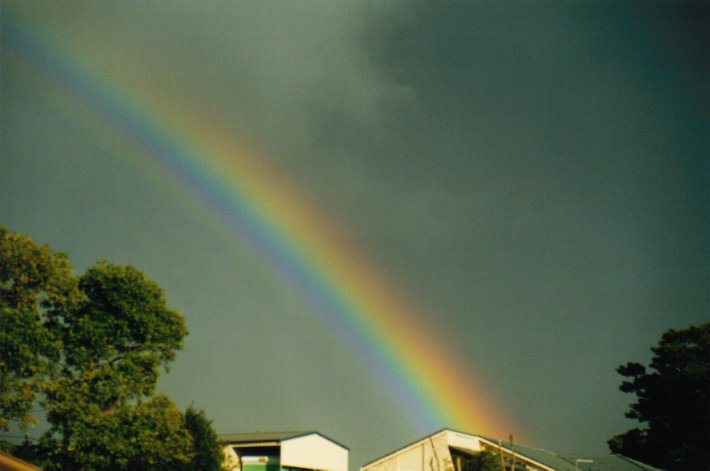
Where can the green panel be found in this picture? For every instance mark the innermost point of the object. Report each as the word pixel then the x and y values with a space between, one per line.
pixel 261 467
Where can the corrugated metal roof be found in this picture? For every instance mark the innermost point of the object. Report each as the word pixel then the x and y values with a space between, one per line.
pixel 558 461
pixel 568 461
pixel 544 457
pixel 609 462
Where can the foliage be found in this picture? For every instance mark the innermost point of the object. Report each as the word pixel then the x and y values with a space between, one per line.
pixel 89 351
pixel 117 338
pixel 673 399
pixel 34 282
pixel 482 461
pixel 148 436
pixel 205 444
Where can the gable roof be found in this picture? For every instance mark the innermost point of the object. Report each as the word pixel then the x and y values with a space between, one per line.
pixel 273 437
pixel 557 461
pixel 254 437
pixel 402 448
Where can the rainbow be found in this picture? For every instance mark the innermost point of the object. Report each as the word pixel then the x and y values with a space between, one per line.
pixel 226 176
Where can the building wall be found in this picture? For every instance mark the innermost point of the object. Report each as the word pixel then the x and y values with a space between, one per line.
pixel 469 443
pixel 231 460
pixel 430 454
pixel 313 452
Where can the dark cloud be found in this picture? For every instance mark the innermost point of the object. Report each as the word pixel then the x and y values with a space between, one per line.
pixel 531 175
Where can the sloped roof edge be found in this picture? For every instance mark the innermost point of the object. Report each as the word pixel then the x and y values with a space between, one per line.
pixel 408 445
pixel 256 437
pixel 12 463
pixel 543 458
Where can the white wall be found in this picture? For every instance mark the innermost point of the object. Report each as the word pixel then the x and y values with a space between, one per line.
pixel 464 441
pixel 231 460
pixel 428 454
pixel 314 452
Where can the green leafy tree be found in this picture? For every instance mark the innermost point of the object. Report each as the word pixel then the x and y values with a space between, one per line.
pixel 148 436
pixel 89 351
pixel 205 443
pixel 34 283
pixel 100 402
pixel 673 400
pixel 117 338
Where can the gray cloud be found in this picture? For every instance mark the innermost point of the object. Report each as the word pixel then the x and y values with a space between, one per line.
pixel 530 175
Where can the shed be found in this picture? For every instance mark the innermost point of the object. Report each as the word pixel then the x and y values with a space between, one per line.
pixel 283 451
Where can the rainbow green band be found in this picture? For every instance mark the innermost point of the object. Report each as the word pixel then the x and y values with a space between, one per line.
pixel 408 359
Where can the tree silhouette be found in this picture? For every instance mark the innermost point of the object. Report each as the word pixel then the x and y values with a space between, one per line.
pixel 673 400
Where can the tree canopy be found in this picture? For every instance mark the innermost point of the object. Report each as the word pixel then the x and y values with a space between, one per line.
pixel 205 444
pixel 34 284
pixel 89 351
pixel 673 400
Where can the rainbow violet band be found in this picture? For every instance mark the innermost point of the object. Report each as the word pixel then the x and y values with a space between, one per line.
pixel 422 376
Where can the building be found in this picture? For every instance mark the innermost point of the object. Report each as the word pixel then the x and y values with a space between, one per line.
pixel 449 450
pixel 283 451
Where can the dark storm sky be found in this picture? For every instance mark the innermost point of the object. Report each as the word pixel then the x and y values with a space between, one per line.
pixel 533 175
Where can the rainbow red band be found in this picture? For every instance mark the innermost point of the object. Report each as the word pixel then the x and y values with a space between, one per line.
pixel 407 358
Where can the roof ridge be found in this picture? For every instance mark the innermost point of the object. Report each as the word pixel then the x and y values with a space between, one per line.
pixel 275 436
pixel 252 432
